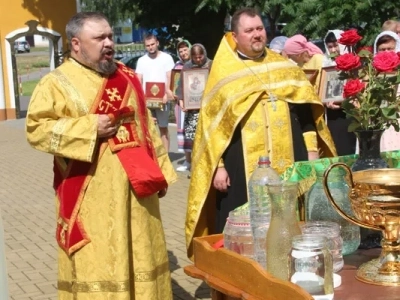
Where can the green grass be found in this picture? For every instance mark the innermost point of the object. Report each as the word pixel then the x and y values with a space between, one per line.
pixel 39 49
pixel 31 63
pixel 41 64
pixel 28 87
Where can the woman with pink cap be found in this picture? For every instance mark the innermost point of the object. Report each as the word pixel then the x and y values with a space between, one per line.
pixel 305 54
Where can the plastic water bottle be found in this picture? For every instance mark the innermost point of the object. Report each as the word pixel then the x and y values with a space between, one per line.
pixel 260 206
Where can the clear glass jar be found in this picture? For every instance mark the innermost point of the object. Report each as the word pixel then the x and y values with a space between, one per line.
pixel 237 234
pixel 318 207
pixel 331 231
pixel 310 265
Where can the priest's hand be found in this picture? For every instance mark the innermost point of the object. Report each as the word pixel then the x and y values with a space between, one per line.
pixel 105 127
pixel 313 155
pixel 221 180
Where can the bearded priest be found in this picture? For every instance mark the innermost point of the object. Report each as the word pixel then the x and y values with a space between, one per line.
pixel 110 169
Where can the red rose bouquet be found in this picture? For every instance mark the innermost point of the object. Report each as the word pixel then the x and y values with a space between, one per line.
pixel 370 91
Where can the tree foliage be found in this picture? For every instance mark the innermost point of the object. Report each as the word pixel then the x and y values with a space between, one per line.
pixel 113 9
pixel 202 21
pixel 172 19
pixel 271 9
pixel 314 18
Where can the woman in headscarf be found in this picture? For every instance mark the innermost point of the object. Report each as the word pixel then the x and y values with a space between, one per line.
pixel 332 46
pixel 336 119
pixel 307 55
pixel 198 59
pixel 183 52
pixel 277 44
pixel 388 41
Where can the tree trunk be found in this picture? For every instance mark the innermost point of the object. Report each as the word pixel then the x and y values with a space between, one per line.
pixel 272 25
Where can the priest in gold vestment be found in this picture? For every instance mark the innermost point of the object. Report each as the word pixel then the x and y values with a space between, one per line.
pixel 255 103
pixel 87 113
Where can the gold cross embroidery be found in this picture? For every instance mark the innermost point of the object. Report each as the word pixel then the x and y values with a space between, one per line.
pixel 128 71
pixel 253 125
pixel 113 94
pixel 63 231
pixel 281 163
pixel 279 123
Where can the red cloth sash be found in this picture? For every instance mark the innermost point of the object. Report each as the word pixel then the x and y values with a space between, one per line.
pixel 135 152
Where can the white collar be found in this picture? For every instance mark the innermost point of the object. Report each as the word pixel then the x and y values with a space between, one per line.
pixel 252 58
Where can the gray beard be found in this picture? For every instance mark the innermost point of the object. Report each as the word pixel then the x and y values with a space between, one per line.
pixel 104 67
pixel 107 67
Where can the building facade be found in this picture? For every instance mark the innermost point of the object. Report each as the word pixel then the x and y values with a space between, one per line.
pixel 28 18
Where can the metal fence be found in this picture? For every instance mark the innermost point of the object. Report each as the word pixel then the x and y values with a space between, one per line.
pixel 129 50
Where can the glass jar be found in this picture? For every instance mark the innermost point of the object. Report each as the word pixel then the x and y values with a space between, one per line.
pixel 331 231
pixel 237 233
pixel 310 265
pixel 318 207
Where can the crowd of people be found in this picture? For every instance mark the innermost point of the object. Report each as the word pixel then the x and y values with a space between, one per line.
pixel 111 164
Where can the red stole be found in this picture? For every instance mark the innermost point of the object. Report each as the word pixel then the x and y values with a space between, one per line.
pixel 136 154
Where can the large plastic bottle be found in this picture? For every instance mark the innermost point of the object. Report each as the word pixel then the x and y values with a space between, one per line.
pixel 260 206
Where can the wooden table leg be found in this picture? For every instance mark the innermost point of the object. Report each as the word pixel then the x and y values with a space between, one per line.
pixel 217 295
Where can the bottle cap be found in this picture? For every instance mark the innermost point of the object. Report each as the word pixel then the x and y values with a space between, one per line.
pixel 264 160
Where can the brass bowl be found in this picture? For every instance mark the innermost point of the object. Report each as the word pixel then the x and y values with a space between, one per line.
pixel 374 196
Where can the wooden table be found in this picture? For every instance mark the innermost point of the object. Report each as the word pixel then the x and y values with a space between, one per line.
pixel 232 276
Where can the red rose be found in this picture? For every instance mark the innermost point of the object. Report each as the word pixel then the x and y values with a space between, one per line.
pixel 349 38
pixel 386 61
pixel 352 88
pixel 347 62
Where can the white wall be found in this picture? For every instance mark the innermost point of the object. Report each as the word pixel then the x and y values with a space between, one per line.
pixel 40 41
pixel 123 32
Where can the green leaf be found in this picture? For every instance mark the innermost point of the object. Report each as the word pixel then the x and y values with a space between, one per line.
pixel 372 111
pixel 343 76
pixel 354 126
pixel 365 53
pixel 346 105
pixel 390 112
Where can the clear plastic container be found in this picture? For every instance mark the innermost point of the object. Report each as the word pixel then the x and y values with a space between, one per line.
pixel 237 234
pixel 310 265
pixel 260 206
pixel 331 231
